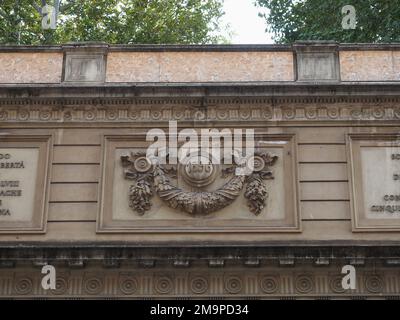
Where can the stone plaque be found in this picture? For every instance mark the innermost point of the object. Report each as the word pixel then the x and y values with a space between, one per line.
pixel 23 183
pixel 375 175
pixel 317 61
pixel 85 64
pixel 81 68
pixel 191 197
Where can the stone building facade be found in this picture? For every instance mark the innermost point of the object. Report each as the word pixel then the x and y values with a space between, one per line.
pixel 77 192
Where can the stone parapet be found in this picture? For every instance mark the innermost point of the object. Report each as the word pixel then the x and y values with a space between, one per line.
pixel 99 63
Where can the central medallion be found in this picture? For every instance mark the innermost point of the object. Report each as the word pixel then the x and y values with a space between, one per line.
pixel 198 171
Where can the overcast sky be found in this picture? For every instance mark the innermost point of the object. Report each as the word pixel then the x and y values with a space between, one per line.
pixel 248 27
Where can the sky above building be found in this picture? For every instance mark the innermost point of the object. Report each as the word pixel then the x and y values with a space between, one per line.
pixel 245 24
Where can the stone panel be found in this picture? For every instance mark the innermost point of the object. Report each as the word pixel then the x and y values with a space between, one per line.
pixel 124 208
pixel 375 173
pixel 317 61
pixel 85 64
pixel 199 66
pixel 18 67
pixel 23 183
pixel 370 65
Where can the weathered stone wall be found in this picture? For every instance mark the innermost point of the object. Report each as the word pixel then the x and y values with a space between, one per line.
pixel 200 66
pixel 30 67
pixel 370 65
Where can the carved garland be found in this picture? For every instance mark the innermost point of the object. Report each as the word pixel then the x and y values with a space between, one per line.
pixel 149 178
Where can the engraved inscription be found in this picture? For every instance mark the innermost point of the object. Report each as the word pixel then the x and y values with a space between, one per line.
pixel 381 176
pixel 391 202
pixel 18 168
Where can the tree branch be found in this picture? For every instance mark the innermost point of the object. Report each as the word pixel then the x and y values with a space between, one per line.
pixel 3 13
pixel 57 6
pixel 38 9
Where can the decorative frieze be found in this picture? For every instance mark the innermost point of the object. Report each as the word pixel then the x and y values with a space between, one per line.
pixel 225 113
pixel 264 283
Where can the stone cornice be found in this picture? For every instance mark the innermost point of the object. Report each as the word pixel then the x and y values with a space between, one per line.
pixel 374 91
pixel 202 48
pixel 385 253
pixel 201 102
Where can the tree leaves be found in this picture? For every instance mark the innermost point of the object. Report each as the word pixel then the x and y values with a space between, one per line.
pixel 291 20
pixel 112 21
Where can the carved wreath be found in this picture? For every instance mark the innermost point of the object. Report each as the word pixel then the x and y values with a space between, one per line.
pixel 149 178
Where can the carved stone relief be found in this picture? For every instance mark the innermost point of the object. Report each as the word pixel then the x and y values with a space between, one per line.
pixel 140 195
pixel 148 177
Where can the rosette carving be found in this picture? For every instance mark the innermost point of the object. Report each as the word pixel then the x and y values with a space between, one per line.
pixel 150 178
pixel 141 191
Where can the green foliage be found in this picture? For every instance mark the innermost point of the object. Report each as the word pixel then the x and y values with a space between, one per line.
pixel 291 20
pixel 112 21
